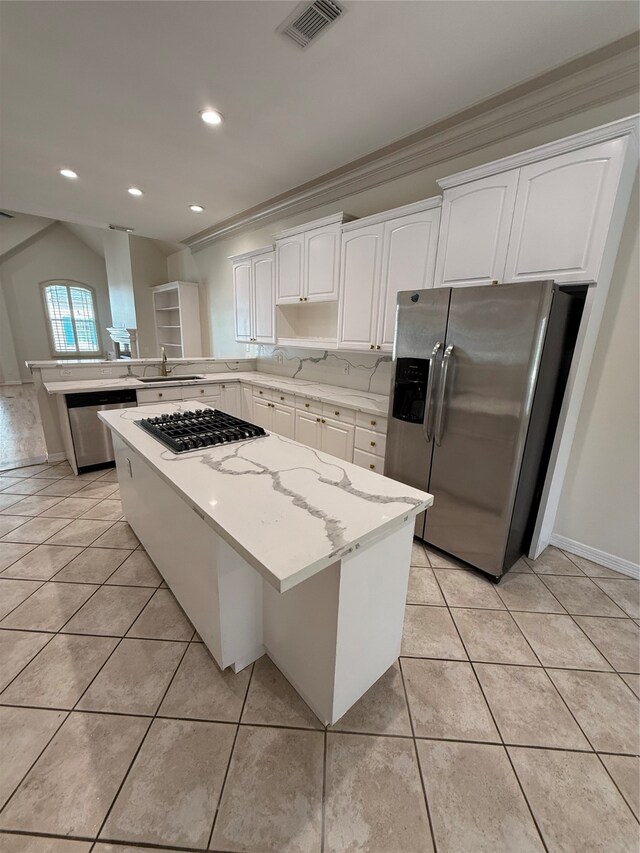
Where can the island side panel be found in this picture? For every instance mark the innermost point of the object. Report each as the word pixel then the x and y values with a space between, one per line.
pixel 373 594
pixel 219 592
pixel 334 635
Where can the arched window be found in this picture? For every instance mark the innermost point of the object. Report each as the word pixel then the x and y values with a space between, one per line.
pixel 72 318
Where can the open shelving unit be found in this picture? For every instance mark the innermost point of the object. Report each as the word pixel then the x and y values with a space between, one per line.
pixel 177 319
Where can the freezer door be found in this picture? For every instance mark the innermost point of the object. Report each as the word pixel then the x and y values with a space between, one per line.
pixel 421 326
pixel 488 377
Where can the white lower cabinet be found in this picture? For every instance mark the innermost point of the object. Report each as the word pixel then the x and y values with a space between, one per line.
pixel 368 460
pixel 336 438
pixel 283 419
pixel 307 429
pixel 262 413
pixel 230 399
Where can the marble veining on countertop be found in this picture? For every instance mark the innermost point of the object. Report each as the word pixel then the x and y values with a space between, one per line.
pixel 288 509
pixel 362 401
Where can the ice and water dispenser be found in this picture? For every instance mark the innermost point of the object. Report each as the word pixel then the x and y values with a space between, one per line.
pixel 410 389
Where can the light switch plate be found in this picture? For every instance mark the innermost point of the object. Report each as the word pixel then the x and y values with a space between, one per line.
pixel 65 373
pixel 106 371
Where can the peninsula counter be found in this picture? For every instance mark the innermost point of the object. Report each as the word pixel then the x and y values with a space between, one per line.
pixel 272 546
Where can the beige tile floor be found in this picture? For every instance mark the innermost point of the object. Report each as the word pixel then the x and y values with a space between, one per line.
pixel 510 723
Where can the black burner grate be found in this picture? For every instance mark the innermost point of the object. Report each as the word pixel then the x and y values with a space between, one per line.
pixel 184 431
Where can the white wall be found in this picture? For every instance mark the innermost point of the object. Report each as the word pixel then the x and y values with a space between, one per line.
pixel 20 228
pixel 148 268
pixel 55 253
pixel 9 370
pixel 600 504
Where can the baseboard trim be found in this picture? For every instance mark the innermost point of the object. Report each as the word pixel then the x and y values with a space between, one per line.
pixel 11 382
pixel 56 457
pixel 626 567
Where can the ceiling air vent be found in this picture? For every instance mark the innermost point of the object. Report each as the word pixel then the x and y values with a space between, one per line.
pixel 309 20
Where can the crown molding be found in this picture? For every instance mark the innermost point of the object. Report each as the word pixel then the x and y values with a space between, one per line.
pixel 598 78
pixel 395 213
pixel 334 219
pixel 605 133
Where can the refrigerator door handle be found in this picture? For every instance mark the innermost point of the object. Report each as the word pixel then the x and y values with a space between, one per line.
pixel 426 423
pixel 443 392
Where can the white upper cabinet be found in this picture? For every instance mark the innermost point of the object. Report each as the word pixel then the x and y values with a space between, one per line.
pixel 382 255
pixel 289 265
pixel 308 261
pixel 542 214
pixel 474 235
pixel 322 263
pixel 254 298
pixel 360 285
pixel 242 299
pixel 408 262
pixel 562 214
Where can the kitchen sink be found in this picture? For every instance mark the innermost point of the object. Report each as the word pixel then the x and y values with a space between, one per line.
pixel 176 378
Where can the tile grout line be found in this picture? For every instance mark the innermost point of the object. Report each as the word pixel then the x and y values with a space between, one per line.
pixel 417 755
pixel 323 804
pixel 233 749
pixel 495 723
pixel 144 736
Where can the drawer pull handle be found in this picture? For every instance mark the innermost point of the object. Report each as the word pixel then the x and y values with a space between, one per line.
pixel 373 423
pixel 378 347
pixel 372 466
pixel 282 398
pixel 306 405
pixel 223 386
pixel 372 443
pixel 337 413
pixel 160 395
pixel 323 421
pixel 259 392
pixel 371 346
pixel 317 420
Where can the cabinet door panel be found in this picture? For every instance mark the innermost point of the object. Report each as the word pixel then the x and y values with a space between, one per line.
pixel 308 429
pixel 337 439
pixel 562 214
pixel 359 287
pixel 289 254
pixel 242 300
pixel 284 422
pixel 408 262
pixel 264 301
pixel 322 263
pixel 473 240
pixel 230 400
pixel 262 414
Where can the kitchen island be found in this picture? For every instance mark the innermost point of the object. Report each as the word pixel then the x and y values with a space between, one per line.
pixel 271 546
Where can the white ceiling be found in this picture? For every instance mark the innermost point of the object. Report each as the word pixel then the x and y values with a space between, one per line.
pixel 113 90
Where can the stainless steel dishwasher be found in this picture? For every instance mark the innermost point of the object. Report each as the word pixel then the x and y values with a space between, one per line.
pixel 91 438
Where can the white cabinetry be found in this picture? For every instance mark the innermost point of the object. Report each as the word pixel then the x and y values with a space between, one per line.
pixel 547 218
pixel 271 413
pixel 474 234
pixel 176 311
pixel 254 305
pixel 230 399
pixel 327 434
pixel 308 261
pixel 382 255
pixel 562 214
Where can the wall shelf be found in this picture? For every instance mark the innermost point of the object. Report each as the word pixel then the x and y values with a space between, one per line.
pixel 177 318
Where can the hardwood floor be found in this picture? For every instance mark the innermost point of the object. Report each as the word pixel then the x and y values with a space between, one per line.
pixel 21 436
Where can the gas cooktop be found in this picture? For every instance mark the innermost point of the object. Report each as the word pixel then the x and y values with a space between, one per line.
pixel 184 431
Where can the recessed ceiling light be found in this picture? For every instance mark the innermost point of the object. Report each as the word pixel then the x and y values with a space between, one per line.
pixel 196 208
pixel 211 117
pixel 134 191
pixel 68 173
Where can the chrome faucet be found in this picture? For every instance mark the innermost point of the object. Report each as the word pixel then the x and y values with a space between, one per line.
pixel 163 368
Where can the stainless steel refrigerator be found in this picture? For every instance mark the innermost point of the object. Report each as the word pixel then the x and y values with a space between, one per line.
pixel 478 378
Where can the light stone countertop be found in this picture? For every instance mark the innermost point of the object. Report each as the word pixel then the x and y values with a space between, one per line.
pixel 361 401
pixel 288 509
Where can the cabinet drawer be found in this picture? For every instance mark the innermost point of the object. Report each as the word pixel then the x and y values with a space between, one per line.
pixel 371 442
pixel 283 398
pixel 263 393
pixel 307 405
pixel 372 422
pixel 156 395
pixel 368 460
pixel 194 392
pixel 338 413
